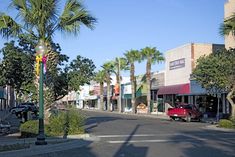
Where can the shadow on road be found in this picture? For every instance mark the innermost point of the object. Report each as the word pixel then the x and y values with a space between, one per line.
pixel 92 122
pixel 129 150
pixel 206 143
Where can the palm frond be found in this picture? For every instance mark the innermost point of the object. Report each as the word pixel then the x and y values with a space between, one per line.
pixel 9 27
pixel 37 14
pixel 153 54
pixel 133 56
pixel 73 16
pixel 228 26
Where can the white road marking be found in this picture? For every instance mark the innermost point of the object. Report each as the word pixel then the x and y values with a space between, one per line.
pixel 161 141
pixel 139 141
pixel 137 135
pixel 160 134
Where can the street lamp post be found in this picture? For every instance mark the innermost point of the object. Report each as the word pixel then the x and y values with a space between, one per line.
pixel 40 51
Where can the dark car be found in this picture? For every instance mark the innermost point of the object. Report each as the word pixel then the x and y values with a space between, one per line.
pixel 31 107
pixel 18 110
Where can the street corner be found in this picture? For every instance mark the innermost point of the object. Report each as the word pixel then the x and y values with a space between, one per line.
pixel 27 147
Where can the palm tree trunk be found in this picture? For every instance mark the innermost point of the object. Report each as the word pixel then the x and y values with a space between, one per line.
pixel 108 93
pixel 102 96
pixel 132 75
pixel 148 77
pixel 229 98
pixel 119 86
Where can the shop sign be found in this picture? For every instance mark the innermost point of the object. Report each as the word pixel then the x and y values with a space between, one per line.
pixel 179 63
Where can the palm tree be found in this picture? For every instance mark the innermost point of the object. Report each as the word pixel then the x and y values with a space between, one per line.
pixel 108 68
pixel 132 56
pixel 228 26
pixel 100 78
pixel 120 64
pixel 40 19
pixel 152 55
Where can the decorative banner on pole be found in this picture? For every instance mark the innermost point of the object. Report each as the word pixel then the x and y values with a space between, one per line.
pixel 44 61
pixel 38 60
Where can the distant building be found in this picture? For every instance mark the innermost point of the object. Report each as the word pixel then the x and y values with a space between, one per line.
pixel 229 9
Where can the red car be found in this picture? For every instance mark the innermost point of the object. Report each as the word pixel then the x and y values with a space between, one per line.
pixel 185 112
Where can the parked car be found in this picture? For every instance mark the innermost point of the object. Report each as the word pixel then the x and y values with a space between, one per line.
pixel 31 107
pixel 184 111
pixel 18 109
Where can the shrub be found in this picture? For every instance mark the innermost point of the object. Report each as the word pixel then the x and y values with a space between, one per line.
pixel 29 129
pixel 232 118
pixel 224 123
pixel 68 122
pixel 76 122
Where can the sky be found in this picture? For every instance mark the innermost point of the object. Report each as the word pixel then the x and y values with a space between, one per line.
pixel 134 24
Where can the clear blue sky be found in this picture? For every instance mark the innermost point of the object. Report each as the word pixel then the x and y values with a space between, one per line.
pixel 133 24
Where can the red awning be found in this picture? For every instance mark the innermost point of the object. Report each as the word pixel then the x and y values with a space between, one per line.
pixel 174 89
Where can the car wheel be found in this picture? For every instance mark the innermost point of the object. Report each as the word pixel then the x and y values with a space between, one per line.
pixel 13 112
pixel 172 119
pixel 188 118
pixel 199 119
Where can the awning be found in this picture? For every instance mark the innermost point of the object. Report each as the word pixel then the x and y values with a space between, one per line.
pixel 174 89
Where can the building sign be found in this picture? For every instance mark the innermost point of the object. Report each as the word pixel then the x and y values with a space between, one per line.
pixel 180 63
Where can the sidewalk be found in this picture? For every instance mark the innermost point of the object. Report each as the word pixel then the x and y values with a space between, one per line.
pixel 54 144
pixel 4 114
pixel 12 120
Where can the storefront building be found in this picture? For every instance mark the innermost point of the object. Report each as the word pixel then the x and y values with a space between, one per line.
pixel 3 98
pixel 179 64
pixel 157 81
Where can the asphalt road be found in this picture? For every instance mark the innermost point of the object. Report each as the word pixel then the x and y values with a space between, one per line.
pixel 118 135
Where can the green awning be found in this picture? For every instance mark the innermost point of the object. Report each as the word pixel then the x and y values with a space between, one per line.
pixel 127 96
pixel 142 90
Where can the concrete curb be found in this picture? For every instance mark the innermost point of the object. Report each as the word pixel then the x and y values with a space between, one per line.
pixel 72 141
pixel 215 127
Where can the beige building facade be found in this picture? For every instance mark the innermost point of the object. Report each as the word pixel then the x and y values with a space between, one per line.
pixel 229 9
pixel 182 60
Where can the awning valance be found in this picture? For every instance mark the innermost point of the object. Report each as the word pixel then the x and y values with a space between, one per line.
pixel 174 89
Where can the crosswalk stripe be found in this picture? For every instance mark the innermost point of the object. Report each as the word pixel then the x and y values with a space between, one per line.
pixel 137 135
pixel 138 141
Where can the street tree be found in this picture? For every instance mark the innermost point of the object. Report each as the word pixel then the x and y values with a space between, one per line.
pixel 108 68
pixel 133 56
pixel 120 64
pixel 81 71
pixel 152 55
pixel 39 20
pixel 216 73
pixel 100 78
pixel 16 68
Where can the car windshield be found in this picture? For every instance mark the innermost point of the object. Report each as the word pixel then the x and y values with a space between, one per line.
pixel 185 106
